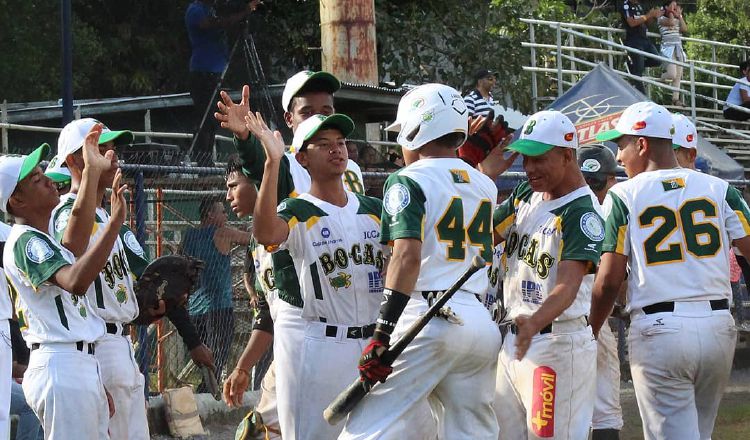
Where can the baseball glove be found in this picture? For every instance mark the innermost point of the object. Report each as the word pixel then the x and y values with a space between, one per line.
pixel 170 278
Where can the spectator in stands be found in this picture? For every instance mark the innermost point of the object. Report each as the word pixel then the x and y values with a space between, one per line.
pixel 210 56
pixel 352 150
pixel 210 307
pixel 739 95
pixel 671 26
pixel 479 101
pixel 634 21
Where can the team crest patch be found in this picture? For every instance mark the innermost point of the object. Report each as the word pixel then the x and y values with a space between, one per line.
pixel 672 184
pixel 396 199
pixel 591 166
pixel 591 225
pixel 342 280
pixel 281 207
pixel 62 220
pixel 121 294
pixel 38 250
pixel 460 176
pixel 132 243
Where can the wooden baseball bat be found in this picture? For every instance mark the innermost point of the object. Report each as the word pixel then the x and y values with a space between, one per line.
pixel 345 402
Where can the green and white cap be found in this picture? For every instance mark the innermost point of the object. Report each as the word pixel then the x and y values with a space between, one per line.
pixel 301 79
pixel 685 134
pixel 314 124
pixel 15 168
pixel 641 119
pixel 57 170
pixel 544 131
pixel 74 134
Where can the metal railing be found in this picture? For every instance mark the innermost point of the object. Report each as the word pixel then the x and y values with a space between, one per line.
pixel 610 48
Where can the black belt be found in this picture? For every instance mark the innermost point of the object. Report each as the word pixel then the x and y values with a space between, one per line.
pixel 716 304
pixel 80 345
pixel 544 331
pixel 112 329
pixel 363 332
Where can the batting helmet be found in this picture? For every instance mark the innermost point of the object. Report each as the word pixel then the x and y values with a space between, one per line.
pixel 429 112
pixel 597 163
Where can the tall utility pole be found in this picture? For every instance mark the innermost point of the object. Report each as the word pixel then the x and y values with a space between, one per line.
pixel 67 62
pixel 347 33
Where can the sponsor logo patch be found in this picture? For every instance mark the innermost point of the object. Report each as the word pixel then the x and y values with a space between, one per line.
pixel 592 226
pixel 325 232
pixel 531 292
pixel 396 199
pixel 375 282
pixel 569 136
pixel 543 402
pixel 460 176
pixel 672 184
pixel 640 125
pixel 38 251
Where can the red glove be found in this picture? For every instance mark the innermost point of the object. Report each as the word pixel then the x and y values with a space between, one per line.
pixel 371 366
pixel 479 144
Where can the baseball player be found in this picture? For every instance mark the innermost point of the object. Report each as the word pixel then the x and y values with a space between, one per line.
pixel 684 141
pixel 437 215
pixel 553 233
pixel 333 237
pixel 62 383
pixel 6 353
pixel 599 168
pixel 112 296
pixel 305 94
pixel 59 173
pixel 670 225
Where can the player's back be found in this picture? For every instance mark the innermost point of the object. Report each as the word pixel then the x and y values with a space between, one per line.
pixel 452 207
pixel 675 225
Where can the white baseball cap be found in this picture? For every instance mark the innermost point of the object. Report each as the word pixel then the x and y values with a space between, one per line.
pixel 15 168
pixel 313 124
pixel 641 119
pixel 428 112
pixel 685 134
pixel 74 134
pixel 544 131
pixel 299 80
pixel 57 170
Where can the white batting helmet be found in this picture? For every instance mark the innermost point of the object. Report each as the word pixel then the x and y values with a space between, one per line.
pixel 428 112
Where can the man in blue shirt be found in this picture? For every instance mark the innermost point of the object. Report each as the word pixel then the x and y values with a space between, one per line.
pixel 210 56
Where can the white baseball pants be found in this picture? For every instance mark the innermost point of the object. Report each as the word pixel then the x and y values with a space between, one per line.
pixel 607 410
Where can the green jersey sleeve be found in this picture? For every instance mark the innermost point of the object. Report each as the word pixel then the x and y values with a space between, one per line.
pixel 738 217
pixel 136 255
pixel 403 211
pixel 253 159
pixel 37 258
pixel 582 235
pixel 616 226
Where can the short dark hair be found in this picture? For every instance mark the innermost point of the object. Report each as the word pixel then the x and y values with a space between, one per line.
pixel 234 165
pixel 744 66
pixel 311 86
pixel 207 205
pixel 451 140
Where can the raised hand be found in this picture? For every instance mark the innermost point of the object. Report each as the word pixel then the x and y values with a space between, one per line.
pixel 231 115
pixel 272 141
pixel 496 163
pixel 117 198
pixel 92 158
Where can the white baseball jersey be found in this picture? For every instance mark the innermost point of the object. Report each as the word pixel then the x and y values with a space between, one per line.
pixel 46 313
pixel 6 306
pixel 538 235
pixel 338 256
pixel 111 294
pixel 459 201
pixel 670 223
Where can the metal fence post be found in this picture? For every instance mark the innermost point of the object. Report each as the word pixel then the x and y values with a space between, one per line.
pixel 572 43
pixel 713 77
pixel 692 91
pixel 610 57
pixel 143 354
pixel 147 124
pixel 534 86
pixel 559 61
pixel 4 119
pixel 160 352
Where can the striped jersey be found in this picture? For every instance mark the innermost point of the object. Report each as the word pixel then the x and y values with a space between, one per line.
pixel 673 226
pixel 539 234
pixel 447 205
pixel 477 105
pixel 111 294
pixel 46 313
pixel 338 257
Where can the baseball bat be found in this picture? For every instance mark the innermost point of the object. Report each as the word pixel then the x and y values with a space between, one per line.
pixel 345 402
